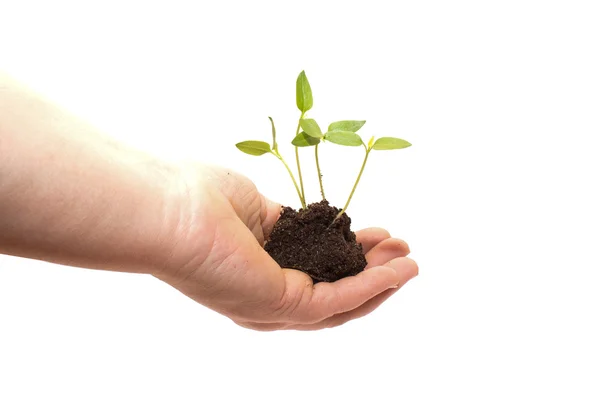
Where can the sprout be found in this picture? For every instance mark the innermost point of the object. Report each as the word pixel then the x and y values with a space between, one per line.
pixel 384 143
pixel 341 133
pixel 258 148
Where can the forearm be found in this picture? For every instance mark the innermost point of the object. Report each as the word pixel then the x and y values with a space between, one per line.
pixel 69 195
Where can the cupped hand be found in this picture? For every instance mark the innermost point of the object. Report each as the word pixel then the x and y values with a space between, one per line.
pixel 218 260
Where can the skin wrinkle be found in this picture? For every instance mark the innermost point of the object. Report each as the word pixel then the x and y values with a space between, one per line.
pixel 262 220
pixel 302 294
pixel 255 222
pixel 288 310
pixel 186 231
pixel 270 217
pixel 216 258
pixel 243 198
pixel 223 262
pixel 170 211
pixel 287 305
pixel 317 304
pixel 248 197
pixel 178 226
pixel 212 193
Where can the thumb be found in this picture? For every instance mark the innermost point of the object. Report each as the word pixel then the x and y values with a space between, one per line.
pixel 269 214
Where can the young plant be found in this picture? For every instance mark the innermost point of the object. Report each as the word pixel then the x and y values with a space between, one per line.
pixel 340 133
pixel 258 148
pixel 304 102
pixel 383 143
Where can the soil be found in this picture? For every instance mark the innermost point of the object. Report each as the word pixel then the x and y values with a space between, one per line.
pixel 307 240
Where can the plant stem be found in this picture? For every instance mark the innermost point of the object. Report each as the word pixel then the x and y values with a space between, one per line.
pixel 276 154
pixel 302 197
pixel 319 171
pixel 367 151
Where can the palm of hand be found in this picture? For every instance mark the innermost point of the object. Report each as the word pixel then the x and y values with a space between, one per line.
pixel 219 261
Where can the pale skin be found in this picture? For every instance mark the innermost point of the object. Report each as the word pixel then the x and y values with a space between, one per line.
pixel 70 195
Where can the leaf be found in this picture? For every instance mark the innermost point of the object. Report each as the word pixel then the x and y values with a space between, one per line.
pixel 274 134
pixel 352 126
pixel 304 140
pixel 311 128
pixel 371 142
pixel 254 147
pixel 304 99
pixel 390 143
pixel 345 138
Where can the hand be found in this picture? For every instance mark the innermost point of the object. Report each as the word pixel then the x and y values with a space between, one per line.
pixel 99 204
pixel 219 261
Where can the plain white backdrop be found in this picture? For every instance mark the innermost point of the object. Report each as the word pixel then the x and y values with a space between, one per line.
pixel 497 197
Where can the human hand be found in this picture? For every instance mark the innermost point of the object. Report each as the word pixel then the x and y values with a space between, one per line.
pixel 100 204
pixel 219 261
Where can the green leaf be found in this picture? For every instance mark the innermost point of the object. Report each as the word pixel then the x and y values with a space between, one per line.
pixel 352 126
pixel 345 138
pixel 304 140
pixel 370 145
pixel 311 128
pixel 390 143
pixel 304 99
pixel 274 134
pixel 254 147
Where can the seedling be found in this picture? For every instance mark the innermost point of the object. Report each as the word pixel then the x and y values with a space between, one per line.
pixel 317 239
pixel 309 133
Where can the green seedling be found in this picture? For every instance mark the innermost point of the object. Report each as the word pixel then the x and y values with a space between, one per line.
pixel 258 148
pixel 383 143
pixel 309 133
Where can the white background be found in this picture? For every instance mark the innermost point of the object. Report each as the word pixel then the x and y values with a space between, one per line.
pixel 498 197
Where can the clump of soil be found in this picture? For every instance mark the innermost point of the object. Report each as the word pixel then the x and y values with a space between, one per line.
pixel 308 241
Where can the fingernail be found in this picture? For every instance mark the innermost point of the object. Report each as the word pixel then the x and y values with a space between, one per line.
pixel 394 287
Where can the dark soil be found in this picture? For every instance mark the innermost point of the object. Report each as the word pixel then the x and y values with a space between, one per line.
pixel 308 241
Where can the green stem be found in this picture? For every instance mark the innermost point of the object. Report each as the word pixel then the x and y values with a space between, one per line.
pixel 302 198
pixel 319 171
pixel 276 154
pixel 367 151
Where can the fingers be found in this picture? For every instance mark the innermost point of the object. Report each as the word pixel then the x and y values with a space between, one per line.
pixel 340 319
pixel 359 312
pixel 325 305
pixel 406 268
pixel 370 237
pixel 385 251
pixel 303 303
pixel 346 294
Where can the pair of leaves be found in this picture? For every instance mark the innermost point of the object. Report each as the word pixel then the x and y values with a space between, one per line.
pixel 344 133
pixel 341 132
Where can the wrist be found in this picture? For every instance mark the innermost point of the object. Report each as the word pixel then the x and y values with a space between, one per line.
pixel 187 218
